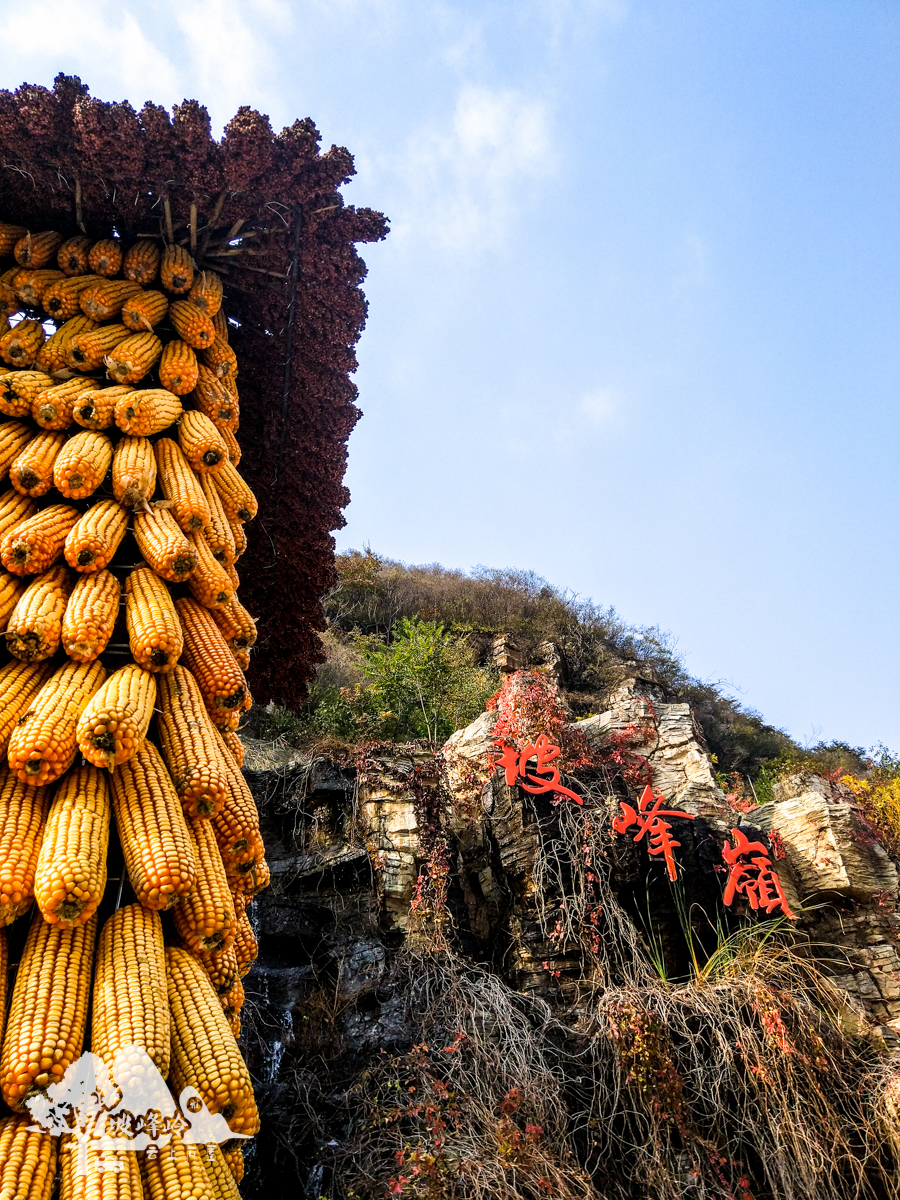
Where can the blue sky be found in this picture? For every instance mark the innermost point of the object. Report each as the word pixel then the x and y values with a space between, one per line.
pixel 636 326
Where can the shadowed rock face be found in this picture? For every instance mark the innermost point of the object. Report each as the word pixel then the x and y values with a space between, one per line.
pixel 348 853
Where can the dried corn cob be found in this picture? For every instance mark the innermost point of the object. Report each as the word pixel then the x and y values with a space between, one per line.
pixel 206 292
pixel 220 324
pixel 32 470
pixel 52 355
pixel 62 300
pixel 240 538
pixel 147 411
pixel 201 442
pixel 233 577
pixel 105 257
pixel 11 589
pixel 9 301
pixel 155 840
pixel 96 409
pixel 27 1158
pixel 241 656
pixel 219 1173
pixel 232 1002
pixel 134 472
pixel 205 919
pixel 18 390
pixel 237 824
pixel 154 630
pixel 133 358
pixel 237 499
pixel 246 947
pixel 114 724
pixel 48 1013
pixel 236 624
pixel 144 310
pixel 209 583
pixel 222 968
pixel 180 487
pixel 19 684
pixel 37 543
pixel 178 368
pixel 72 255
pixel 96 1173
pixel 35 624
pixel 141 262
pixel 37 249
pixel 191 324
pixel 205 1055
pixel 71 870
pixel 19 346
pixel 103 301
pixel 90 616
pixel 176 1174
pixel 231 442
pixel 131 1005
pixel 213 398
pixel 250 879
pixel 221 681
pixel 86 351
pixel 82 466
pixel 31 286
pixel 95 538
pixel 235 1161
pixel 217 531
pixel 176 269
pixel 186 738
pixel 162 545
pixel 9 236
pixel 42 746
pixel 23 814
pixel 233 744
pixel 55 407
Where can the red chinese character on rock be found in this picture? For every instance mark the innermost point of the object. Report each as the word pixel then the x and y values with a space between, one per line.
pixel 542 777
pixel 648 819
pixel 756 879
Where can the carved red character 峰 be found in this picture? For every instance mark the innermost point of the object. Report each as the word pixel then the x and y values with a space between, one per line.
pixel 538 779
pixel 752 875
pixel 648 817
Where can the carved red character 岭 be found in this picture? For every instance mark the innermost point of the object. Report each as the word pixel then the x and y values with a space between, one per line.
pixel 752 875
pixel 540 778
pixel 648 817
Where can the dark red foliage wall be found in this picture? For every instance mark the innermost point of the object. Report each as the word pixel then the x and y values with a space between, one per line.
pixel 266 211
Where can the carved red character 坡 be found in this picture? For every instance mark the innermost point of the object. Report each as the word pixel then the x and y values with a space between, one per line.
pixel 752 875
pixel 648 817
pixel 537 779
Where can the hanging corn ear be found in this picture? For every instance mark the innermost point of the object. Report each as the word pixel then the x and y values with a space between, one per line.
pixel 42 746
pixel 241 656
pixel 237 499
pixel 34 629
pixel 221 681
pixel 88 1171
pixel 206 292
pixel 178 368
pixel 91 616
pixel 105 257
pixel 82 466
pixel 240 538
pixel 213 398
pixel 62 300
pixel 246 947
pixel 220 324
pixel 236 825
pixel 205 1055
pixel 144 310
pixel 205 919
pixel 232 1002
pixel 176 1174
pixel 37 249
pixel 147 411
pixel 9 236
pixel 19 346
pixel 250 879
pixel 37 543
pixel 236 624
pixel 222 969
pixel 217 531
pixel 104 300
pixel 18 390
pixel 9 301
pixel 131 1005
pixel 134 472
pixel 231 571
pixel 11 589
pixel 233 744
pixel 186 738
pixel 209 583
pixel 141 262
pixel 52 355
pixel 231 442
pixel 219 1173
pixel 96 409
pixel 162 545
pixel 48 1013
pixel 94 539
pixel 32 470
pixel 235 1161
pixel 23 814
pixel 71 870
pixel 181 487
pixel 31 286
pixel 114 724
pixel 86 351
pixel 176 269
pixel 55 407
pixel 154 630
pixel 155 840
pixel 133 358
pixel 27 1159
pixel 72 256
pixel 201 442
pixel 19 684
pixel 191 324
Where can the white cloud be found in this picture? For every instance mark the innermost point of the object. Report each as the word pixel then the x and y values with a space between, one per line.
pixel 600 405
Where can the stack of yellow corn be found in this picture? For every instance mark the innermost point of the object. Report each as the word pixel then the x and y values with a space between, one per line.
pixel 120 524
